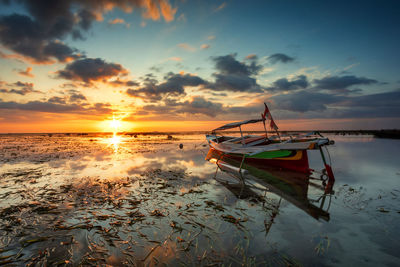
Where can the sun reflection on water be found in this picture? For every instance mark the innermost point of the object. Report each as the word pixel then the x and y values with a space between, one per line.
pixel 115 141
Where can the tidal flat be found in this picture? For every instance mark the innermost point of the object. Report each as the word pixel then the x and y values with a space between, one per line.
pixel 97 199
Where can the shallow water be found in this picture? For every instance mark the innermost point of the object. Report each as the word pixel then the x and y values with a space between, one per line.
pixel 101 199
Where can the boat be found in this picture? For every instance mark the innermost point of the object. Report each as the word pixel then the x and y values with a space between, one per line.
pixel 287 152
pixel 308 193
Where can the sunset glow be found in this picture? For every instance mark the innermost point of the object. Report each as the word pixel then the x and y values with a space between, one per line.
pixel 131 66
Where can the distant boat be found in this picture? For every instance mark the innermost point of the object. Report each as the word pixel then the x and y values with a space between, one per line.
pixel 280 151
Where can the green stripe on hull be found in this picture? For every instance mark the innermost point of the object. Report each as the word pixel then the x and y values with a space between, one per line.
pixel 272 154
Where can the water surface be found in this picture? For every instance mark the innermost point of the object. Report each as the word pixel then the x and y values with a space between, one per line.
pixel 102 199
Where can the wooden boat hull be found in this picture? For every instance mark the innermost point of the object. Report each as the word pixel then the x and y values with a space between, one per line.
pixel 294 160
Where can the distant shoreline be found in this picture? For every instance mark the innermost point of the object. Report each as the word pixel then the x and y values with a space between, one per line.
pixel 384 133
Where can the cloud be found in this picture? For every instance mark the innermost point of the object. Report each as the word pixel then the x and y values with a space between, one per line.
pixel 283 84
pixel 36 32
pixel 204 46
pixel 187 47
pixel 235 76
pixel 279 57
pixel 27 72
pixel 322 105
pixel 19 88
pixel 385 104
pixel 387 99
pixel 220 7
pixel 57 100
pixel 56 105
pixel 174 85
pixel 118 82
pixel 304 101
pixel 51 107
pixel 118 21
pixel 211 37
pixel 341 82
pixel 34 41
pixel 77 97
pixel 90 70
pixel 167 11
pixel 252 57
pixel 179 59
pixel 229 65
pixel 72 96
pixel 199 105
pixel 235 83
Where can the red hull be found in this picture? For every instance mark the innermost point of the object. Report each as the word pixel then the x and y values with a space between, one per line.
pixel 300 165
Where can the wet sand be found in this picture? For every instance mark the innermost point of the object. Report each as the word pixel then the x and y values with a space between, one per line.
pixel 97 200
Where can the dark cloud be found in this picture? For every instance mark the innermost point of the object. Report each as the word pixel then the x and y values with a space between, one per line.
pixel 371 106
pixel 320 105
pixel 387 99
pixel 279 57
pixel 54 105
pixel 229 65
pixel 199 105
pixel 255 108
pixel 119 82
pixel 91 69
pixel 235 76
pixel 283 84
pixel 304 101
pixel 77 97
pixel 174 85
pixel 36 32
pixel 342 82
pixel 57 100
pixel 19 88
pixel 235 83
pixel 34 39
pixel 61 52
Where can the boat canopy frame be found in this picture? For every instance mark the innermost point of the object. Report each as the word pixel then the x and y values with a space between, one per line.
pixel 236 124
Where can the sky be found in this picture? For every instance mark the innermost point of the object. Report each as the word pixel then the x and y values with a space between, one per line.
pixel 164 65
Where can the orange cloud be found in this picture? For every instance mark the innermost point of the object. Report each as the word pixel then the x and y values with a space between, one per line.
pixel 166 10
pixel 152 11
pixel 151 8
pixel 204 46
pixel 251 56
pixel 27 72
pixel 187 47
pixel 175 58
pixel 116 21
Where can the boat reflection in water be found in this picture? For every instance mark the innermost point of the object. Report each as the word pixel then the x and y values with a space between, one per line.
pixel 294 187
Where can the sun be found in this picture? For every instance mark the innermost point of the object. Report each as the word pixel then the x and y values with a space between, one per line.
pixel 115 125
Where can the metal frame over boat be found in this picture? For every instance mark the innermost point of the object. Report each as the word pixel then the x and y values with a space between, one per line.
pixel 281 151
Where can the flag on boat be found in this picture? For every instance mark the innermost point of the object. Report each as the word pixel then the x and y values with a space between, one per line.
pixel 272 123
